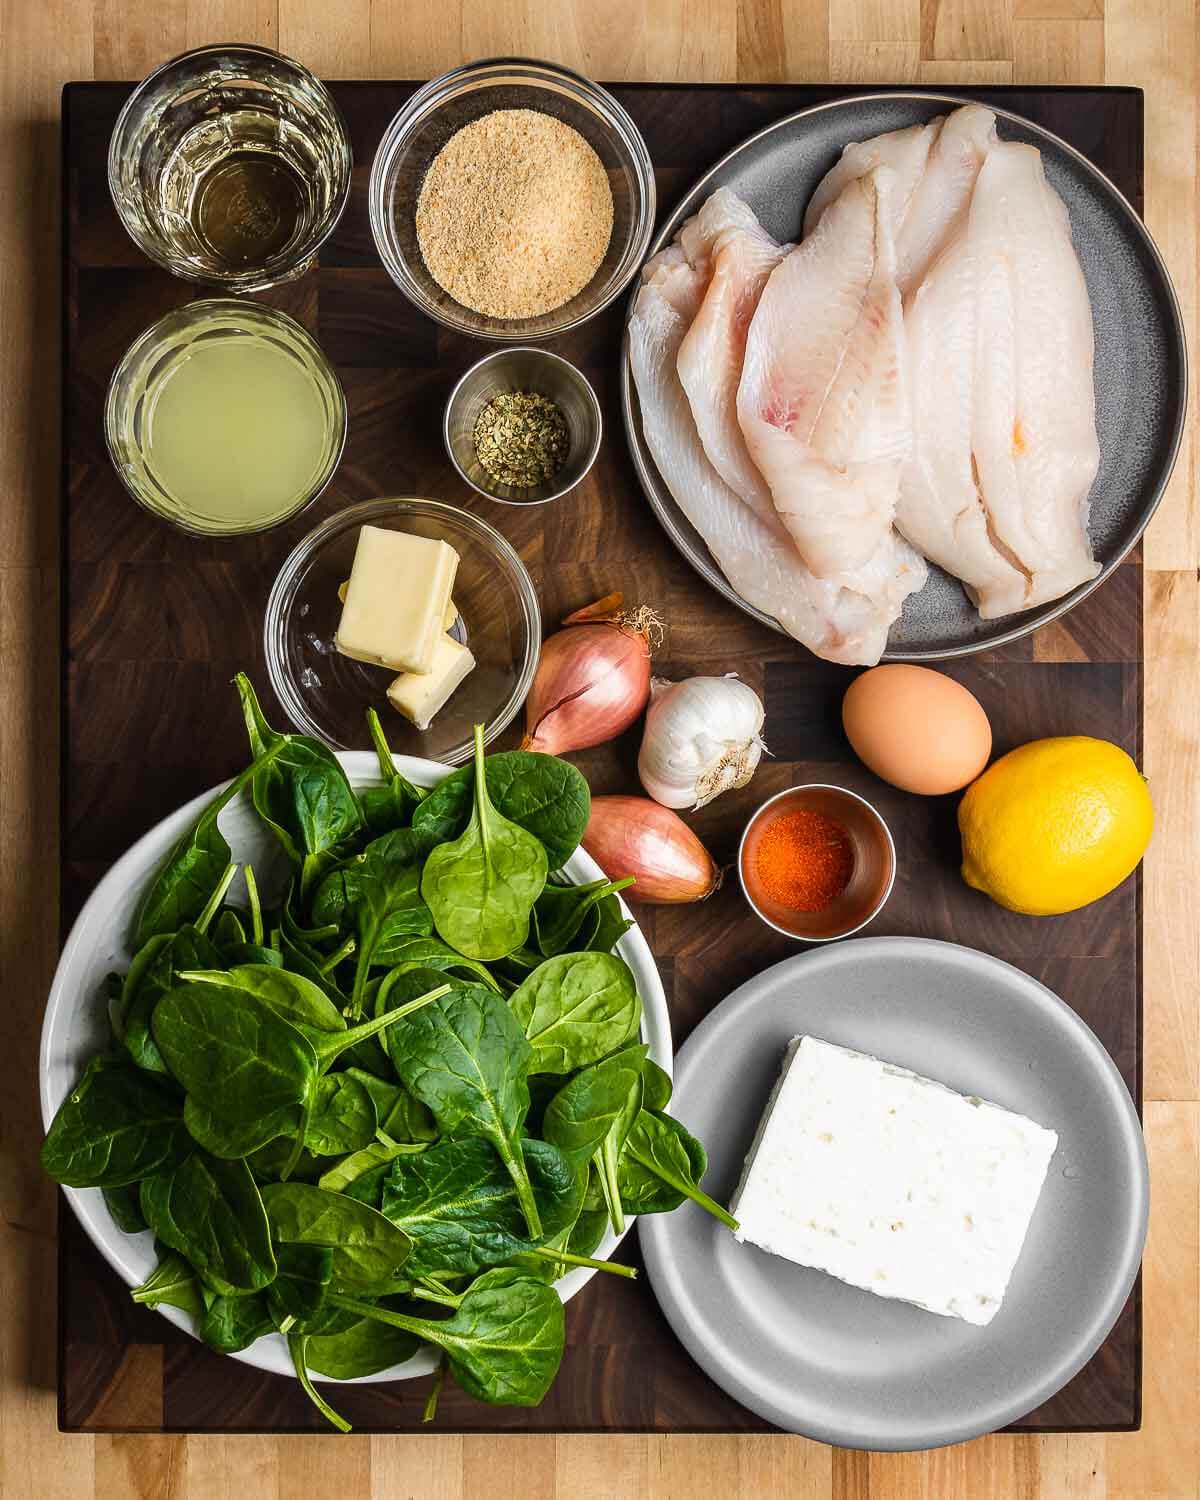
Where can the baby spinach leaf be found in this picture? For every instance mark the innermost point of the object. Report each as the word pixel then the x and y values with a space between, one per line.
pixel 215 1207
pixel 611 926
pixel 481 888
pixel 400 1116
pixel 300 791
pixel 344 1174
pixel 192 870
pixel 459 1207
pixel 124 1206
pixel 546 796
pixel 406 951
pixel 342 1118
pixel 228 932
pixel 299 961
pixel 606 1161
pixel 154 1200
pixel 270 1162
pixel 248 1074
pixel 364 1348
pixel 392 804
pixel 368 1250
pixel 299 1289
pixel 465 1058
pixel 587 1231
pixel 575 1009
pixel 584 1110
pixel 504 1341
pixel 560 911
pixel 661 1164
pixel 293 998
pixel 389 906
pixel 231 1324
pixel 172 1281
pixel 116 1126
pixel 656 1086
pixel 152 973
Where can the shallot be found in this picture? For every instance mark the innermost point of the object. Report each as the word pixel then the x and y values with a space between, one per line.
pixel 593 678
pixel 638 837
pixel 701 739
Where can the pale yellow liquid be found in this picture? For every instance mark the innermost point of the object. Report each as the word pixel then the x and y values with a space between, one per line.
pixel 237 432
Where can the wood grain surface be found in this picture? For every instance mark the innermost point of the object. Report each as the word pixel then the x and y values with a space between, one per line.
pixel 1150 43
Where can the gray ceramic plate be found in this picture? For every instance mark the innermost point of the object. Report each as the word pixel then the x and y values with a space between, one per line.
pixel 1141 362
pixel 818 1357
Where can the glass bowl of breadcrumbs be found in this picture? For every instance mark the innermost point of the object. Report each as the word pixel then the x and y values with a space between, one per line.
pixel 512 199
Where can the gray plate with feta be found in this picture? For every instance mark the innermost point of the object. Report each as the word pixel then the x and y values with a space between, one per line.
pixel 907 1159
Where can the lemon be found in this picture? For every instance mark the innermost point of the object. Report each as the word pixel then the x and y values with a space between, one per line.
pixel 1054 824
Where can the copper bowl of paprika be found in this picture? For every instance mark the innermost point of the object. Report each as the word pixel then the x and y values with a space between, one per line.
pixel 817 862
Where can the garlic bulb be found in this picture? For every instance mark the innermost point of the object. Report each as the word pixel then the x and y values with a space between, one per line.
pixel 701 739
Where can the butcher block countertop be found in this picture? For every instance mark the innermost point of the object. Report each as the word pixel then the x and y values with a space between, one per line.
pixel 1150 44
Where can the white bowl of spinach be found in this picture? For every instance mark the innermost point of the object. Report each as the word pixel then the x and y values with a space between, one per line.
pixel 357 1068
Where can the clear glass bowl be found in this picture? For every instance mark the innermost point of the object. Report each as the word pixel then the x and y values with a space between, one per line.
pixel 159 352
pixel 444 106
pixel 327 694
pixel 230 120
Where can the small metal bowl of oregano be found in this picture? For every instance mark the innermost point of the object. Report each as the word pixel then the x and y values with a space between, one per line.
pixel 523 426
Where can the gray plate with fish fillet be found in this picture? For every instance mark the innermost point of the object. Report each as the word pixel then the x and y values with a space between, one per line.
pixel 819 1357
pixel 1140 368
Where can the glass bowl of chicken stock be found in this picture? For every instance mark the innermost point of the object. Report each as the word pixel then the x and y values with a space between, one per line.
pixel 446 104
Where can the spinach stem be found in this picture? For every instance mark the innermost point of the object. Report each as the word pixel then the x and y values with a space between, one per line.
pixel 338 1042
pixel 425 1328
pixel 605 1161
pixel 387 766
pixel 429 1291
pixel 435 1390
pixel 520 1178
pixel 256 921
pixel 213 904
pixel 296 1347
pixel 545 1252
pixel 338 955
pixel 698 1195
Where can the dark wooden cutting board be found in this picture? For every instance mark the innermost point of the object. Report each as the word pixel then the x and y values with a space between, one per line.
pixel 155 624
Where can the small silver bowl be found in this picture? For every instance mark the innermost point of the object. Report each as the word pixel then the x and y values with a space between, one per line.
pixel 872 876
pixel 523 369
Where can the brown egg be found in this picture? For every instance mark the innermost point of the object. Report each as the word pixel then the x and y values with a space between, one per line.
pixel 918 729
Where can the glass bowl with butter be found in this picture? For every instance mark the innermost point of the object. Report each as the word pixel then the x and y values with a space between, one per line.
pixel 412 607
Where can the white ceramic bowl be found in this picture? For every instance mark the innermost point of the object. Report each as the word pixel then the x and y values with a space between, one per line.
pixel 76 1025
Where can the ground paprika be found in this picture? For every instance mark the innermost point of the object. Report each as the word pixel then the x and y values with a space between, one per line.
pixel 805 860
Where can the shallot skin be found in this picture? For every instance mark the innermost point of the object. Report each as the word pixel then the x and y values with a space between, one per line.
pixel 592 682
pixel 639 837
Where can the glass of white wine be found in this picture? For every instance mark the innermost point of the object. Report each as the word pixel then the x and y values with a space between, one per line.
pixel 230 166
pixel 225 417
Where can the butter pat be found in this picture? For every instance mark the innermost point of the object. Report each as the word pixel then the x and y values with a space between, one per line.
pixel 419 696
pixel 397 599
pixel 891 1181
pixel 447 620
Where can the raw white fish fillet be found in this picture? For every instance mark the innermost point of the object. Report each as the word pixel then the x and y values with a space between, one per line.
pixel 935 168
pixel 941 200
pixel 1034 425
pixel 941 510
pixel 822 402
pixel 905 152
pixel 756 556
pixel 726 240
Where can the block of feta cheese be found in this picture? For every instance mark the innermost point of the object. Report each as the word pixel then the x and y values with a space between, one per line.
pixel 891 1182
